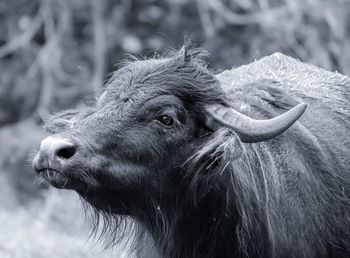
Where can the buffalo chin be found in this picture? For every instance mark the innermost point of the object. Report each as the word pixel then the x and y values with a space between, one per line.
pixel 59 180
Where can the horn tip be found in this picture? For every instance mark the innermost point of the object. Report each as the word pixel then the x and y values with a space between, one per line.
pixel 301 107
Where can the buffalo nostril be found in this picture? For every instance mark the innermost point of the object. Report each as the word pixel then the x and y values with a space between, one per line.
pixel 66 152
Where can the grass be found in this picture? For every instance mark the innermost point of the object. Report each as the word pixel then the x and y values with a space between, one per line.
pixel 51 228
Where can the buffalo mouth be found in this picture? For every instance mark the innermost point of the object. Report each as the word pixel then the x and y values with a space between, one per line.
pixel 60 180
pixel 54 177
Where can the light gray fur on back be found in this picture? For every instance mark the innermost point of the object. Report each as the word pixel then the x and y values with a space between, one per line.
pixel 326 93
pixel 305 170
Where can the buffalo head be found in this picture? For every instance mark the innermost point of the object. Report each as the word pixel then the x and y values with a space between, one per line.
pixel 126 153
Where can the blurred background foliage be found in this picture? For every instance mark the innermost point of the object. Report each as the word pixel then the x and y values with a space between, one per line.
pixel 55 53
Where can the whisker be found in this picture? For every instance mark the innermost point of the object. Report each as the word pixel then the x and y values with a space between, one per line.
pixel 39 180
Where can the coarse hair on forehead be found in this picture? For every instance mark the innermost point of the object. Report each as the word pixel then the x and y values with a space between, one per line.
pixel 182 73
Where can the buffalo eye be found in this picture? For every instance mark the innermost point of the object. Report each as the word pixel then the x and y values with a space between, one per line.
pixel 166 120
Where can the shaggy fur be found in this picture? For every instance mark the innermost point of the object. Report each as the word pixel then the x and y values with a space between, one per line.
pixel 203 193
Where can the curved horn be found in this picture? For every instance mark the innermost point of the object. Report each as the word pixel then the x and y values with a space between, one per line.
pixel 250 130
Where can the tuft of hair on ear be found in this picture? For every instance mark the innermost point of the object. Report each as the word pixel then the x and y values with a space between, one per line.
pixel 190 53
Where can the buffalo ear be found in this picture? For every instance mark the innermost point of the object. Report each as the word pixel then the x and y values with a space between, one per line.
pixel 184 54
pixel 188 53
pixel 251 130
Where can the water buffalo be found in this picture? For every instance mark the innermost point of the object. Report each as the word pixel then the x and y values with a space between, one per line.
pixel 208 165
